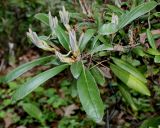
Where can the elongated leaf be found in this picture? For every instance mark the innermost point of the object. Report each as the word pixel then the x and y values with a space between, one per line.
pixel 27 66
pixel 130 69
pixel 95 41
pixel 108 29
pixel 90 96
pixel 32 110
pixel 115 9
pixel 87 36
pixel 102 47
pixel 127 96
pixel 62 37
pixel 151 39
pixel 76 69
pixel 36 81
pixel 98 76
pixel 153 122
pixel 139 51
pixel 131 81
pixel 43 18
pixel 153 52
pixel 78 16
pixel 135 13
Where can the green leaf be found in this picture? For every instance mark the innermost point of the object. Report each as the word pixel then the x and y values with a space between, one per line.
pixel 2 79
pixel 98 76
pixel 90 96
pixel 76 69
pixel 108 29
pixel 27 66
pixel 131 81
pixel 135 13
pixel 87 36
pixel 130 69
pixel 153 122
pixel 127 96
pixel 78 16
pixel 139 51
pixel 43 18
pixel 36 81
pixel 102 47
pixel 62 37
pixel 32 110
pixel 115 9
pixel 153 52
pixel 151 39
pixel 95 41
pixel 157 59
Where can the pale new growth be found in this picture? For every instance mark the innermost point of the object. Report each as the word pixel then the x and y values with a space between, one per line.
pixel 64 58
pixel 64 15
pixel 53 22
pixel 39 43
pixel 73 42
pixel 114 19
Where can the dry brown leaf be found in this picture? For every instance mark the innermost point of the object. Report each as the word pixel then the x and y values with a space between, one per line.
pixel 69 110
pixel 118 47
pixel 8 120
pixel 106 72
pixel 59 112
pixel 143 36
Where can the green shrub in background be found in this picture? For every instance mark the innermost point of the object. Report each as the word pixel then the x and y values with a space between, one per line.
pixel 86 47
pixel 17 16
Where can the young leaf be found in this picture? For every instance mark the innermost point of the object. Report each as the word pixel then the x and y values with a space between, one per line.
pixel 151 39
pixel 131 81
pixel 130 69
pixel 27 66
pixel 76 69
pixel 43 18
pixel 153 122
pixel 32 110
pixel 127 96
pixel 108 29
pixel 90 96
pixel 87 36
pixel 98 76
pixel 33 83
pixel 62 37
pixel 135 13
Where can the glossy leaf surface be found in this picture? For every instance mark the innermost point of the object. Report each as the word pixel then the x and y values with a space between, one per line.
pixel 98 76
pixel 90 96
pixel 131 81
pixel 86 38
pixel 129 68
pixel 36 81
pixel 76 69
pixel 62 37
pixel 43 18
pixel 27 66
pixel 135 13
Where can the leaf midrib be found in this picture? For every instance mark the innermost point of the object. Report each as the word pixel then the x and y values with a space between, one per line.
pixel 90 95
